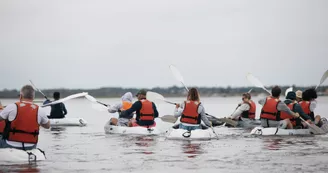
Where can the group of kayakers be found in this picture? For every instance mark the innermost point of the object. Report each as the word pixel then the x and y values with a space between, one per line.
pixel 20 121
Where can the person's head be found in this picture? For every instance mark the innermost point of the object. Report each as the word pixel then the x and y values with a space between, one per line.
pixel 306 96
pixel 127 97
pixel 246 97
pixel 298 95
pixel 193 95
pixel 27 93
pixel 56 95
pixel 141 94
pixel 291 95
pixel 312 93
pixel 276 91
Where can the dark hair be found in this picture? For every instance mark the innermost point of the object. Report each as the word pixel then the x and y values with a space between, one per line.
pixel 56 95
pixel 306 96
pixel 247 95
pixel 312 93
pixel 276 91
pixel 193 95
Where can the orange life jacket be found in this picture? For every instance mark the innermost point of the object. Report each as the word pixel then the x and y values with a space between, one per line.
pixel 25 127
pixel 306 108
pixel 190 113
pixel 2 126
pixel 126 105
pixel 251 112
pixel 269 110
pixel 284 115
pixel 146 111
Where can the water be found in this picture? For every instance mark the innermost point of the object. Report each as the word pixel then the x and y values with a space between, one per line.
pixel 88 149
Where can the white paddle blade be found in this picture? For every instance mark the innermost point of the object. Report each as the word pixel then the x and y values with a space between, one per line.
pixel 323 78
pixel 152 96
pixel 256 82
pixel 67 98
pixel 288 90
pixel 91 98
pixel 176 73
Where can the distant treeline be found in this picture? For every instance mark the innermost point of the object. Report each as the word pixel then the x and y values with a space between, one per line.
pixel 168 92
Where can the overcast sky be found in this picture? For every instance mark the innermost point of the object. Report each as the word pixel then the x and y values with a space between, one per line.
pixel 131 43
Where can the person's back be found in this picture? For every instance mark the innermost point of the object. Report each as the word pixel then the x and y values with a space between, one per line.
pixel 123 120
pixel 57 110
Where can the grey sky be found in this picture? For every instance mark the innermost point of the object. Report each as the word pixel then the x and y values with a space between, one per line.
pixel 131 43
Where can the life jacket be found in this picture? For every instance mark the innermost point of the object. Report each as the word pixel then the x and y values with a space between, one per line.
pixel 269 110
pixel 306 108
pixel 284 115
pixel 190 113
pixel 146 111
pixel 251 112
pixel 25 127
pixel 125 106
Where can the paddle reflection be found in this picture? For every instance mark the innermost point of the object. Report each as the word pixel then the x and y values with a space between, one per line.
pixel 145 141
pixel 192 149
pixel 20 168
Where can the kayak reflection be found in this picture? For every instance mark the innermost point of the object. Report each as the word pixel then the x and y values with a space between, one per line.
pixel 192 149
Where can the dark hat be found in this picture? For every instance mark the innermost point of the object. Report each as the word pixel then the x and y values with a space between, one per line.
pixel 291 95
pixel 141 92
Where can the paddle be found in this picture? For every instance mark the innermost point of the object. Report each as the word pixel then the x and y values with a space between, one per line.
pixel 94 100
pixel 256 82
pixel 323 78
pixel 38 90
pixel 66 98
pixel 288 90
pixel 313 127
pixel 176 73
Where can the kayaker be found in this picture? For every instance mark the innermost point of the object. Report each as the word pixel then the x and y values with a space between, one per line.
pixel 299 95
pixel 23 119
pixel 192 112
pixel 272 106
pixel 146 111
pixel 309 103
pixel 123 106
pixel 59 110
pixel 295 107
pixel 245 111
pixel 2 123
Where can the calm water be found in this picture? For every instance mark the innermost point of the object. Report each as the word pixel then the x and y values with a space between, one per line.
pixel 88 149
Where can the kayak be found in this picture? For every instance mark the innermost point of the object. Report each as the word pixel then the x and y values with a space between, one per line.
pixel 138 130
pixel 15 155
pixel 246 123
pixel 68 122
pixel 270 131
pixel 181 134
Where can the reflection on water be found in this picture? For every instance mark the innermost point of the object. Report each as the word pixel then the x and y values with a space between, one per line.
pixel 192 149
pixel 281 143
pixel 31 168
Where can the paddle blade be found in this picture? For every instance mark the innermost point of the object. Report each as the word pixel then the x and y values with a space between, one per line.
pixel 169 118
pixel 66 98
pixel 288 90
pixel 176 73
pixel 91 98
pixel 152 96
pixel 256 82
pixel 323 78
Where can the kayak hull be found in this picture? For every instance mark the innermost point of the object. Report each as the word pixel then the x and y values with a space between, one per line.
pixel 68 122
pixel 181 134
pixel 15 155
pixel 112 129
pixel 271 131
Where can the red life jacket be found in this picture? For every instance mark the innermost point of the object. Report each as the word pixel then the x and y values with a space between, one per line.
pixel 306 108
pixel 146 111
pixel 269 110
pixel 284 115
pixel 251 112
pixel 190 113
pixel 2 126
pixel 25 127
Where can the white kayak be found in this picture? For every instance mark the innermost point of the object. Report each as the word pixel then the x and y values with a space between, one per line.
pixel 270 131
pixel 68 122
pixel 15 155
pixel 112 129
pixel 181 134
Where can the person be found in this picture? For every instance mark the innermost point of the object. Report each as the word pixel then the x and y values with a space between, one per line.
pixel 2 123
pixel 23 119
pixel 192 112
pixel 309 104
pixel 299 95
pixel 245 110
pixel 146 111
pixel 123 106
pixel 272 106
pixel 295 107
pixel 59 110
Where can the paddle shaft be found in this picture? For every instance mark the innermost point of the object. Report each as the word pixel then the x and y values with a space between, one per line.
pixel 39 90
